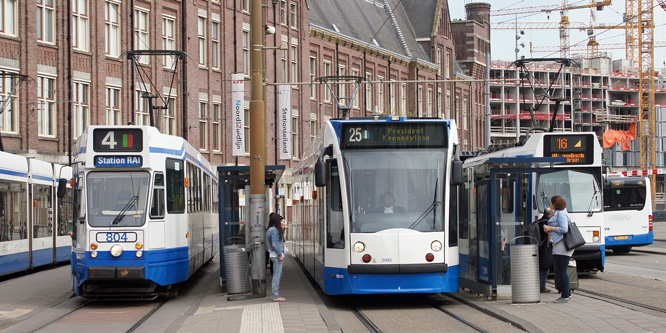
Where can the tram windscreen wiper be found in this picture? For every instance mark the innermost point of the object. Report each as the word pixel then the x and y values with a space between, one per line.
pixel 590 211
pixel 432 206
pixel 132 201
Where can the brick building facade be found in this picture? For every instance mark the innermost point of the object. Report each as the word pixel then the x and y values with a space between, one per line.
pixel 80 76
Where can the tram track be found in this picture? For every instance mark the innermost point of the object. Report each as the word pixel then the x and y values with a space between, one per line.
pixel 617 300
pixel 367 322
pixel 456 317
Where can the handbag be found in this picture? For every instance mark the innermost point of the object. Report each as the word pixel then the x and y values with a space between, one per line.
pixel 573 239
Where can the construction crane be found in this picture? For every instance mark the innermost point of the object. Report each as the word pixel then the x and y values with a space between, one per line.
pixel 564 25
pixel 583 48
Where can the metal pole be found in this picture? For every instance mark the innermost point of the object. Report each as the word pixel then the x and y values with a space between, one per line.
pixel 488 141
pixel 257 151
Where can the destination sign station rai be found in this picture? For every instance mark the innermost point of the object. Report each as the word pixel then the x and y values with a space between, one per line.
pixel 578 149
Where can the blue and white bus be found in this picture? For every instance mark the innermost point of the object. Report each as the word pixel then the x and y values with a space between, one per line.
pixel 146 212
pixel 628 212
pixel 375 207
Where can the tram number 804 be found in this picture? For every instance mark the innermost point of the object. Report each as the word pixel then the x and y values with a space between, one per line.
pixel 117 237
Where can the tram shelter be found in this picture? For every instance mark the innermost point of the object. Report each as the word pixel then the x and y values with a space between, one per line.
pixel 235 180
pixel 498 202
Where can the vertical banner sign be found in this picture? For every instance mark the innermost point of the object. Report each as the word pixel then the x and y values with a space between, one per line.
pixel 284 121
pixel 237 96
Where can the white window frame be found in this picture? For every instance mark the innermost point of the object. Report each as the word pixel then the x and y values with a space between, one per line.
pixel 419 101
pixel 294 134
pixel 293 15
pixel 46 103
pixel 429 102
pixel 380 94
pixel 9 118
pixel 392 92
pixel 215 43
pixel 355 102
pixel 313 77
pixel 141 112
pixel 169 119
pixel 112 28
pixel 46 28
pixel 342 87
pixel 439 102
pixel 403 99
pixel 247 128
pixel 202 35
pixel 327 72
pixel 203 125
pixel 246 51
pixel 81 25
pixel 9 18
pixel 112 111
pixel 216 111
pixel 293 58
pixel 142 33
pixel 80 107
pixel 168 39
pixel 368 91
pixel 283 12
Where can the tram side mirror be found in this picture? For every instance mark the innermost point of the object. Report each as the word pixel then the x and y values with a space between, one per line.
pixel 457 173
pixel 62 186
pixel 320 174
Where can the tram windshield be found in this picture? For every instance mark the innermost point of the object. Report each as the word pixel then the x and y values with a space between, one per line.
pixel 117 198
pixel 624 197
pixel 579 188
pixel 396 189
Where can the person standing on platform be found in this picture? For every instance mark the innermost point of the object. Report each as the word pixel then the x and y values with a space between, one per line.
pixel 545 250
pixel 558 225
pixel 275 242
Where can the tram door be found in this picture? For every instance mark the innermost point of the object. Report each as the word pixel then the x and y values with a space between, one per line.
pixel 511 214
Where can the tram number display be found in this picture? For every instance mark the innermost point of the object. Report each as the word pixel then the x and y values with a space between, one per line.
pixel 578 149
pixel 394 135
pixel 116 237
pixel 118 140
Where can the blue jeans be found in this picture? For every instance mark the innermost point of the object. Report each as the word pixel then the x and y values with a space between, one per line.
pixel 543 276
pixel 561 264
pixel 277 276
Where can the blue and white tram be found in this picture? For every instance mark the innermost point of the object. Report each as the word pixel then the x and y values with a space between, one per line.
pixel 511 187
pixel 146 213
pixel 34 223
pixel 628 212
pixel 375 212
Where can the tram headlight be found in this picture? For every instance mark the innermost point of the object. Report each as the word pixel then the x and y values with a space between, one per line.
pixel 93 254
pixel 436 246
pixel 116 250
pixel 359 247
pixel 139 254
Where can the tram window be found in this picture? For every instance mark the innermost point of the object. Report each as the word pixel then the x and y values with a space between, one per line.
pixel 335 237
pixel 157 206
pixel 66 213
pixel 175 186
pixel 580 189
pixel 13 215
pixel 42 225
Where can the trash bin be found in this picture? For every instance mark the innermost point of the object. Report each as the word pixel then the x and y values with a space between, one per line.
pixel 236 266
pixel 525 274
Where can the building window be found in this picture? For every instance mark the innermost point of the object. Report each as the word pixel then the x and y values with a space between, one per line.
pixel 354 72
pixel 246 52
pixel 142 115
pixel 169 117
pixel 80 29
pixel 245 5
pixel 464 114
pixel 202 40
pixel 112 106
pixel 342 87
pixel 403 99
pixel 46 118
pixel 368 92
pixel 293 18
pixel 447 63
pixel 294 136
pixel 283 12
pixel 217 128
pixel 203 126
pixel 141 31
pixel 313 130
pixel 429 101
pixel 380 95
pixel 448 104
pixel 9 117
pixel 168 39
pixel 327 72
pixel 438 61
pixel 419 102
pixel 284 61
pixel 46 21
pixel 81 107
pixel 313 77
pixel 294 63
pixel 215 44
pixel 8 17
pixel 112 28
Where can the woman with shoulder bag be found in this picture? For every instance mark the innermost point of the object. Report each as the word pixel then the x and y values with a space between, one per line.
pixel 558 225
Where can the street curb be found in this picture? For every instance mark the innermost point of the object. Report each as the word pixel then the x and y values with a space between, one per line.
pixel 498 314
